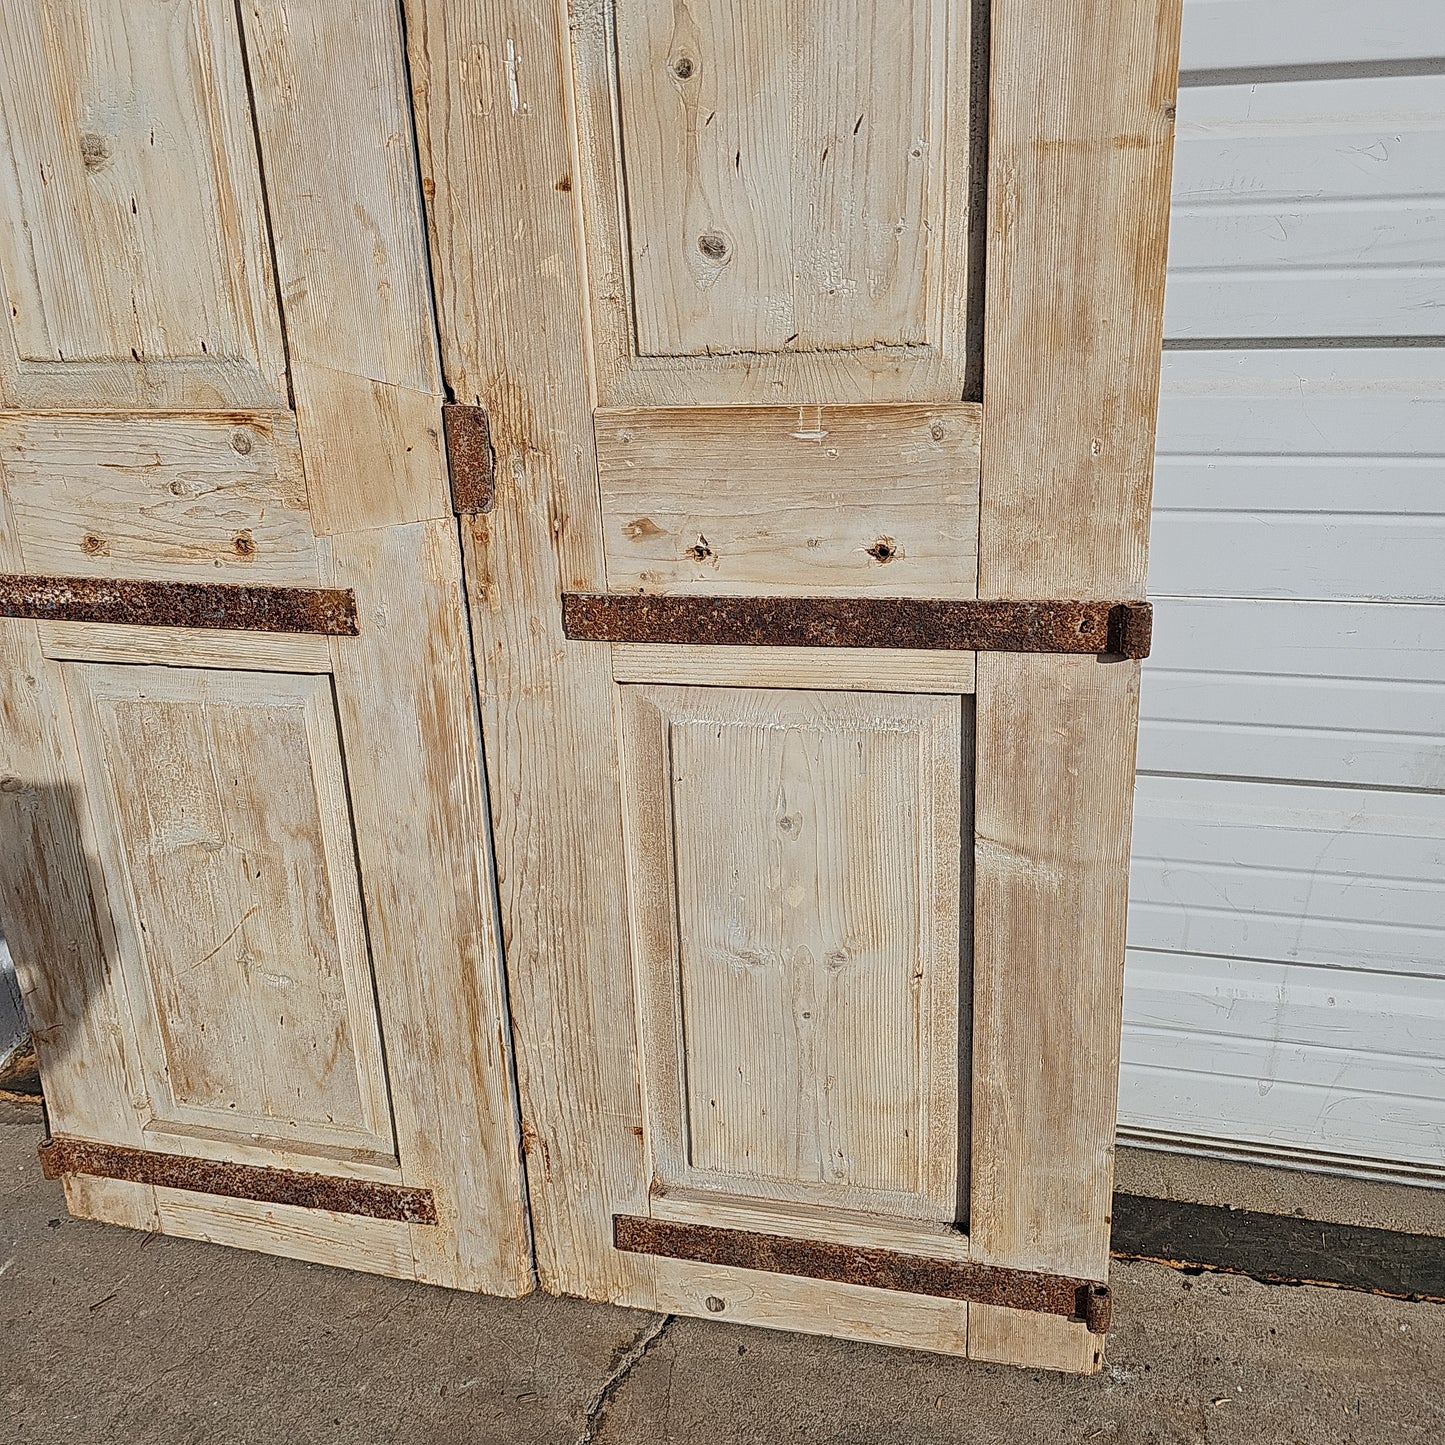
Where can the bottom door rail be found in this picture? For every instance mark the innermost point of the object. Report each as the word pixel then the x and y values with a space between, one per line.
pixel 1017 1289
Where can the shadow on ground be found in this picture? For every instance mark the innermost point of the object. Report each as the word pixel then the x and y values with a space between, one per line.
pixel 111 1336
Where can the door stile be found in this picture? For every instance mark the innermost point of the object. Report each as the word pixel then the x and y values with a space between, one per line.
pixel 1080 148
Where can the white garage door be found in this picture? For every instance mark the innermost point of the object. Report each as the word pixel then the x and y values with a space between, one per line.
pixel 1286 977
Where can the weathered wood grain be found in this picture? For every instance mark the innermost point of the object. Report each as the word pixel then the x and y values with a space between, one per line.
pixel 791 499
pixel 221 817
pixel 204 499
pixel 797 946
pixel 135 251
pixel 1079 153
pixel 329 85
pixel 776 199
pixel 508 292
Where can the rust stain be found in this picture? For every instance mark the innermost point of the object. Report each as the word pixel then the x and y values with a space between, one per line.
pixel 1016 1289
pixel 60 1156
pixel 210 605
pixel 991 625
pixel 471 458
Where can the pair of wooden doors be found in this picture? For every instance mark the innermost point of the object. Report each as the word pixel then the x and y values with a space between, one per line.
pixel 817 349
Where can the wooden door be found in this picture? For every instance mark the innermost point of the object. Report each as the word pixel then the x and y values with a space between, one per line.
pixel 244 871
pixel 820 345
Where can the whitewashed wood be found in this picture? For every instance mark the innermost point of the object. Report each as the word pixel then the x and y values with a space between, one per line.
pixel 814 253
pixel 860 669
pixel 185 647
pixel 1300 474
pixel 1079 152
pixel 821 154
pixel 134 247
pixel 409 732
pixel 1256 34
pixel 791 500
pixel 813 1307
pixel 330 90
pixel 1308 209
pixel 506 276
pixel 202 499
pixel 55 925
pixel 797 951
pixel 332 126
pixel 219 808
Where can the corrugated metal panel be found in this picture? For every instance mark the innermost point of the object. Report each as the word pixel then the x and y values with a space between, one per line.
pixel 1286 978
pixel 1305 474
pixel 1304 210
pixel 1260 34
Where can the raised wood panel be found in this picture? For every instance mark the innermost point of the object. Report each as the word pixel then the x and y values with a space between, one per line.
pixel 798 941
pixel 774 155
pixel 777 198
pixel 791 499
pixel 222 824
pixel 204 499
pixel 133 247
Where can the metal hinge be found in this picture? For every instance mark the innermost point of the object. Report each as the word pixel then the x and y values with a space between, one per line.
pixel 470 458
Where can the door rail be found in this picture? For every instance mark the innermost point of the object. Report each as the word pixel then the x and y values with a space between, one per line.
pixel 1085 1300
pixel 62 1155
pixel 228 606
pixel 1120 629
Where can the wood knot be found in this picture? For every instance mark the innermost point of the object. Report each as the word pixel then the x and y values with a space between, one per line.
pixel 94 150
pixel 244 545
pixel 700 551
pixel 684 67
pixel 94 546
pixel 241 442
pixel 713 245
pixel 885 549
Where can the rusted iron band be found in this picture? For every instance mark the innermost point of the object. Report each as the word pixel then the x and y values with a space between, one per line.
pixel 1015 1289
pixel 61 1156
pixel 991 625
pixel 470 458
pixel 211 605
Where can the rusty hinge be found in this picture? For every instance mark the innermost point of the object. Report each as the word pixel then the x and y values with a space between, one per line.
pixel 470 458
pixel 963 625
pixel 224 606
pixel 61 1156
pixel 1085 1300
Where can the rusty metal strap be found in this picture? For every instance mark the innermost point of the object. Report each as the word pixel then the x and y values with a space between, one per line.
pixel 1102 628
pixel 212 605
pixel 471 460
pixel 61 1156
pixel 1017 1289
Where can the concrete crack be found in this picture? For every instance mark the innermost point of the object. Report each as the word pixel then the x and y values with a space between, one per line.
pixel 597 1406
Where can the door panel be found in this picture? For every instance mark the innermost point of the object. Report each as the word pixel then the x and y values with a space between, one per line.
pixel 798 945
pixel 245 872
pixel 220 812
pixel 135 252
pixel 708 371
pixel 776 200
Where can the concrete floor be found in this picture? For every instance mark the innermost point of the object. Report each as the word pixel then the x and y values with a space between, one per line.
pixel 108 1335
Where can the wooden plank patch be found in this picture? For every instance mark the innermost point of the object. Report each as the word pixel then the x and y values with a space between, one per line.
pixel 62 1156
pixel 212 605
pixel 1078 1299
pixel 1103 628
